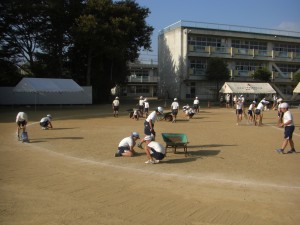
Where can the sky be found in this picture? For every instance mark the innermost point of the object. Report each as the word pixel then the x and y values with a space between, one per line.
pixel 270 14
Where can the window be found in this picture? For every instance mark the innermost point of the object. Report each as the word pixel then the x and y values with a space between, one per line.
pixel 248 44
pixel 198 65
pixel 200 42
pixel 139 72
pixel 248 65
pixel 287 68
pixel 286 47
pixel 142 89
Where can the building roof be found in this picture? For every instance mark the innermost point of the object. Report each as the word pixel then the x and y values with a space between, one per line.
pixel 227 27
pixel 40 85
pixel 247 88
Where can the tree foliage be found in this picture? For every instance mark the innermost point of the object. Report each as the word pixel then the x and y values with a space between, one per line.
pixel 262 74
pixel 217 72
pixel 297 77
pixel 90 41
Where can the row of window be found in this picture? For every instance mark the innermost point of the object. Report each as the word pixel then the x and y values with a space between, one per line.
pixel 200 42
pixel 260 45
pixel 286 47
pixel 200 65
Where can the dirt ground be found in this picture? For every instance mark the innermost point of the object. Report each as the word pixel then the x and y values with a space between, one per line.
pixel 69 175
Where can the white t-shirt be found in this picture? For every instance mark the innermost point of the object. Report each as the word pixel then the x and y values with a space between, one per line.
pixel 21 116
pixel 196 102
pixel 152 116
pixel 157 147
pixel 251 107
pixel 227 97
pixel 127 142
pixel 288 116
pixel 141 102
pixel 175 105
pixel 116 102
pixel 260 106
pixel 239 105
pixel 44 119
pixel 146 105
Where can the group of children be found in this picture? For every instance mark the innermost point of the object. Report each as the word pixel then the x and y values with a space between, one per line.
pixel 22 120
pixel 154 150
pixel 255 116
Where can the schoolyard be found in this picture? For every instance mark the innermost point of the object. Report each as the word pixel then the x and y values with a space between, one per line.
pixel 69 175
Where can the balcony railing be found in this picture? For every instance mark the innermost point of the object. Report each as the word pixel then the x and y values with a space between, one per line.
pixel 227 27
pixel 242 52
pixel 194 74
pixel 142 79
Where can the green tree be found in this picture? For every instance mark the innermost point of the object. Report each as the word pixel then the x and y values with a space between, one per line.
pixel 262 74
pixel 20 23
pixel 107 35
pixel 55 39
pixel 217 72
pixel 297 77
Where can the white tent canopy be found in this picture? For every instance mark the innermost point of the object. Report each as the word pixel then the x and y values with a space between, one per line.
pixel 247 88
pixel 43 85
pixel 297 89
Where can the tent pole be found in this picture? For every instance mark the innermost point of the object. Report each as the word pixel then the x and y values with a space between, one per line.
pixel 35 101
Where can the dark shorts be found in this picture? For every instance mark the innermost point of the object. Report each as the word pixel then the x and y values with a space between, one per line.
pixel 22 123
pixel 141 107
pixel 257 111
pixel 191 114
pixel 250 112
pixel 239 111
pixel 116 108
pixel 146 110
pixel 157 155
pixel 147 128
pixel 174 112
pixel 122 149
pixel 196 106
pixel 288 132
pixel 44 124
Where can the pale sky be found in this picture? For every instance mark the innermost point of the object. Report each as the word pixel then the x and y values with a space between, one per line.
pixel 271 14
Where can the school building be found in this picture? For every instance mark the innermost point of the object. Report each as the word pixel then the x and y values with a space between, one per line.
pixel 143 79
pixel 185 47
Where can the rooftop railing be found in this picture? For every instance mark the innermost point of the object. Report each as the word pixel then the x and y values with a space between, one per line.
pixel 226 27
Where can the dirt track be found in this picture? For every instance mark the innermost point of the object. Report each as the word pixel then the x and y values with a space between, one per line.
pixel 69 176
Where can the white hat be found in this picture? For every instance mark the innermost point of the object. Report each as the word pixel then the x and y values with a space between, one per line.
pixel 135 134
pixel 254 102
pixel 279 100
pixel 49 115
pixel 175 99
pixel 117 97
pixel 196 97
pixel 141 97
pixel 160 109
pixel 284 105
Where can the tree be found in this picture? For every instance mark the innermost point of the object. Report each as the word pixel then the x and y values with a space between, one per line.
pixel 262 74
pixel 297 77
pixel 20 23
pixel 55 40
pixel 107 35
pixel 217 72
